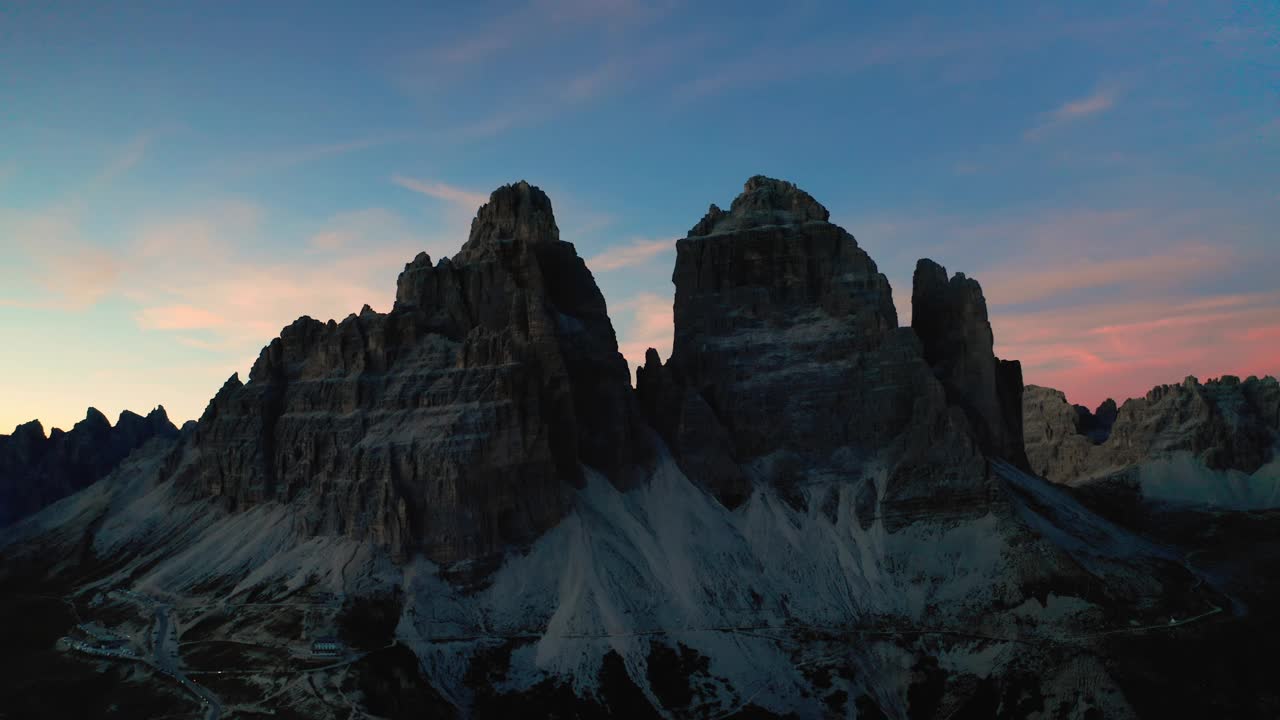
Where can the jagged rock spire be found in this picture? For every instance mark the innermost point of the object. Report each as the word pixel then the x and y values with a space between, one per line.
pixel 950 317
pixel 36 470
pixel 519 211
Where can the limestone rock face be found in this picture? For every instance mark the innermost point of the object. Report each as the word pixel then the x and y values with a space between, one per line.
pixel 456 423
pixel 950 317
pixel 36 470
pixel 1057 449
pixel 1226 423
pixel 788 365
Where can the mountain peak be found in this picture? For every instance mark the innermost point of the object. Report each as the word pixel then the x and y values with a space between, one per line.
pixel 29 430
pixel 518 211
pixel 93 417
pixel 763 201
pixel 458 424
pixel 158 414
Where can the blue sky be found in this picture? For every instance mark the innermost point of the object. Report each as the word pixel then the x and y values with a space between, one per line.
pixel 180 180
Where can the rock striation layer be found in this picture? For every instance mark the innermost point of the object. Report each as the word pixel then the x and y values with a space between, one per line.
pixel 950 317
pixel 36 471
pixel 456 423
pixel 1224 423
pixel 788 367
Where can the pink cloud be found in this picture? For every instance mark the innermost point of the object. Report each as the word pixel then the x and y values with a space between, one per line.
pixel 328 240
pixel 202 272
pixel 1083 107
pixel 1018 283
pixel 1122 349
pixel 61 269
pixel 441 191
pixel 347 228
pixel 1100 101
pixel 199 344
pixel 177 317
pixel 636 252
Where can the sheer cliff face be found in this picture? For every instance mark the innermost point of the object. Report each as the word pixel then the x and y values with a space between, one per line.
pixel 788 365
pixel 950 317
pixel 456 423
pixel 36 471
pixel 1224 423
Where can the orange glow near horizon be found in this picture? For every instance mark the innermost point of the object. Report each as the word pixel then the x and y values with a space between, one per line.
pixel 1121 351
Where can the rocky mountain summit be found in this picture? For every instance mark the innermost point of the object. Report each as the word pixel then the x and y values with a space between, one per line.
pixel 454 425
pixel 783 326
pixel 1224 424
pixel 36 470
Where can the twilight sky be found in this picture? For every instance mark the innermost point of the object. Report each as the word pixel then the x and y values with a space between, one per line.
pixel 180 180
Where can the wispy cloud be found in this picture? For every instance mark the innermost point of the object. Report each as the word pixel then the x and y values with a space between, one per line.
pixel 613 51
pixel 348 229
pixel 442 191
pixel 52 261
pixel 636 252
pixel 1029 280
pixel 543 22
pixel 124 161
pixel 1091 105
pixel 602 13
pixel 62 268
pixel 211 346
pixel 277 159
pixel 478 47
pixel 240 298
pixel 1071 111
pixel 205 280
pixel 178 317
pixel 592 83
pixel 914 42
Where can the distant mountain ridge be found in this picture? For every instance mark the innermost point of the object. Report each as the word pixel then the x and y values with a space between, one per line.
pixel 1175 439
pixel 36 470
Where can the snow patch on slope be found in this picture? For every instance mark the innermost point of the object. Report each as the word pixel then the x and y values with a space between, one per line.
pixel 1183 479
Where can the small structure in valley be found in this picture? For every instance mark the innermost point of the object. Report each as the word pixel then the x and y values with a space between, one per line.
pixel 326 647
